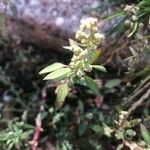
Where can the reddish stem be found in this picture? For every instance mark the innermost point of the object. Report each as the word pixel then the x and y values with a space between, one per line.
pixel 38 127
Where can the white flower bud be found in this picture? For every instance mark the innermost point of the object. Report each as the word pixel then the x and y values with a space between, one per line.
pixel 95 29
pixel 141 25
pixel 82 27
pixel 134 18
pixel 89 116
pixel 83 41
pixel 78 35
pixel 51 110
pixel 72 64
pixel 124 112
pixel 121 117
pixel 88 68
pixel 128 23
pixel 83 54
pixel 80 73
pixel 74 59
pixel 77 51
pixel 98 36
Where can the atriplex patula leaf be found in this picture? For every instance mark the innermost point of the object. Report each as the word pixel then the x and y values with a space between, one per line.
pixel 62 92
pixel 58 73
pixel 51 68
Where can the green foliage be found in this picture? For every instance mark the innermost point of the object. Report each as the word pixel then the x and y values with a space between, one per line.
pixel 83 122
pixel 145 134
pixel 15 136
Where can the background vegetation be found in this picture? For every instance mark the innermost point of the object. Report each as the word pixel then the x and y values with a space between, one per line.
pixel 118 119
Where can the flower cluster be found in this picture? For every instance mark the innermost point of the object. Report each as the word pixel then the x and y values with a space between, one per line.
pixel 88 33
pixel 131 9
pixel 139 42
pixel 85 51
pixel 132 20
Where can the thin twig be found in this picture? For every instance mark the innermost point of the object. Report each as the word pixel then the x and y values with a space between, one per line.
pixel 38 128
pixel 141 89
pixel 137 103
pixel 142 84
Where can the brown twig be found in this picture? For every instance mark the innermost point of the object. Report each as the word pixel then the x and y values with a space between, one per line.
pixel 138 91
pixel 137 103
pixel 115 52
pixel 38 127
pixel 142 84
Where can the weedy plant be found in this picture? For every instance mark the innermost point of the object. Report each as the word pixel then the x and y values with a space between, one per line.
pixel 85 52
pixel 16 135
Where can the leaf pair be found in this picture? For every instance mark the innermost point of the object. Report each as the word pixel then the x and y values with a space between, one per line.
pixel 56 71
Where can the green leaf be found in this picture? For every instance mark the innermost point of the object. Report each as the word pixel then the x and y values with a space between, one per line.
pixel 82 128
pixel 107 130
pixel 120 146
pixel 100 68
pixel 81 107
pixel 112 83
pixel 119 134
pixel 116 14
pixel 80 81
pixel 62 92
pixel 97 128
pixel 92 85
pixel 130 132
pixel 58 73
pixel 145 134
pixel 51 68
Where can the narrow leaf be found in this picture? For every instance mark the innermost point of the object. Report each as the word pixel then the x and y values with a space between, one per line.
pixel 68 47
pixel 145 134
pixel 62 92
pixel 100 68
pixel 51 68
pixel 114 15
pixel 72 42
pixel 92 85
pixel 58 73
